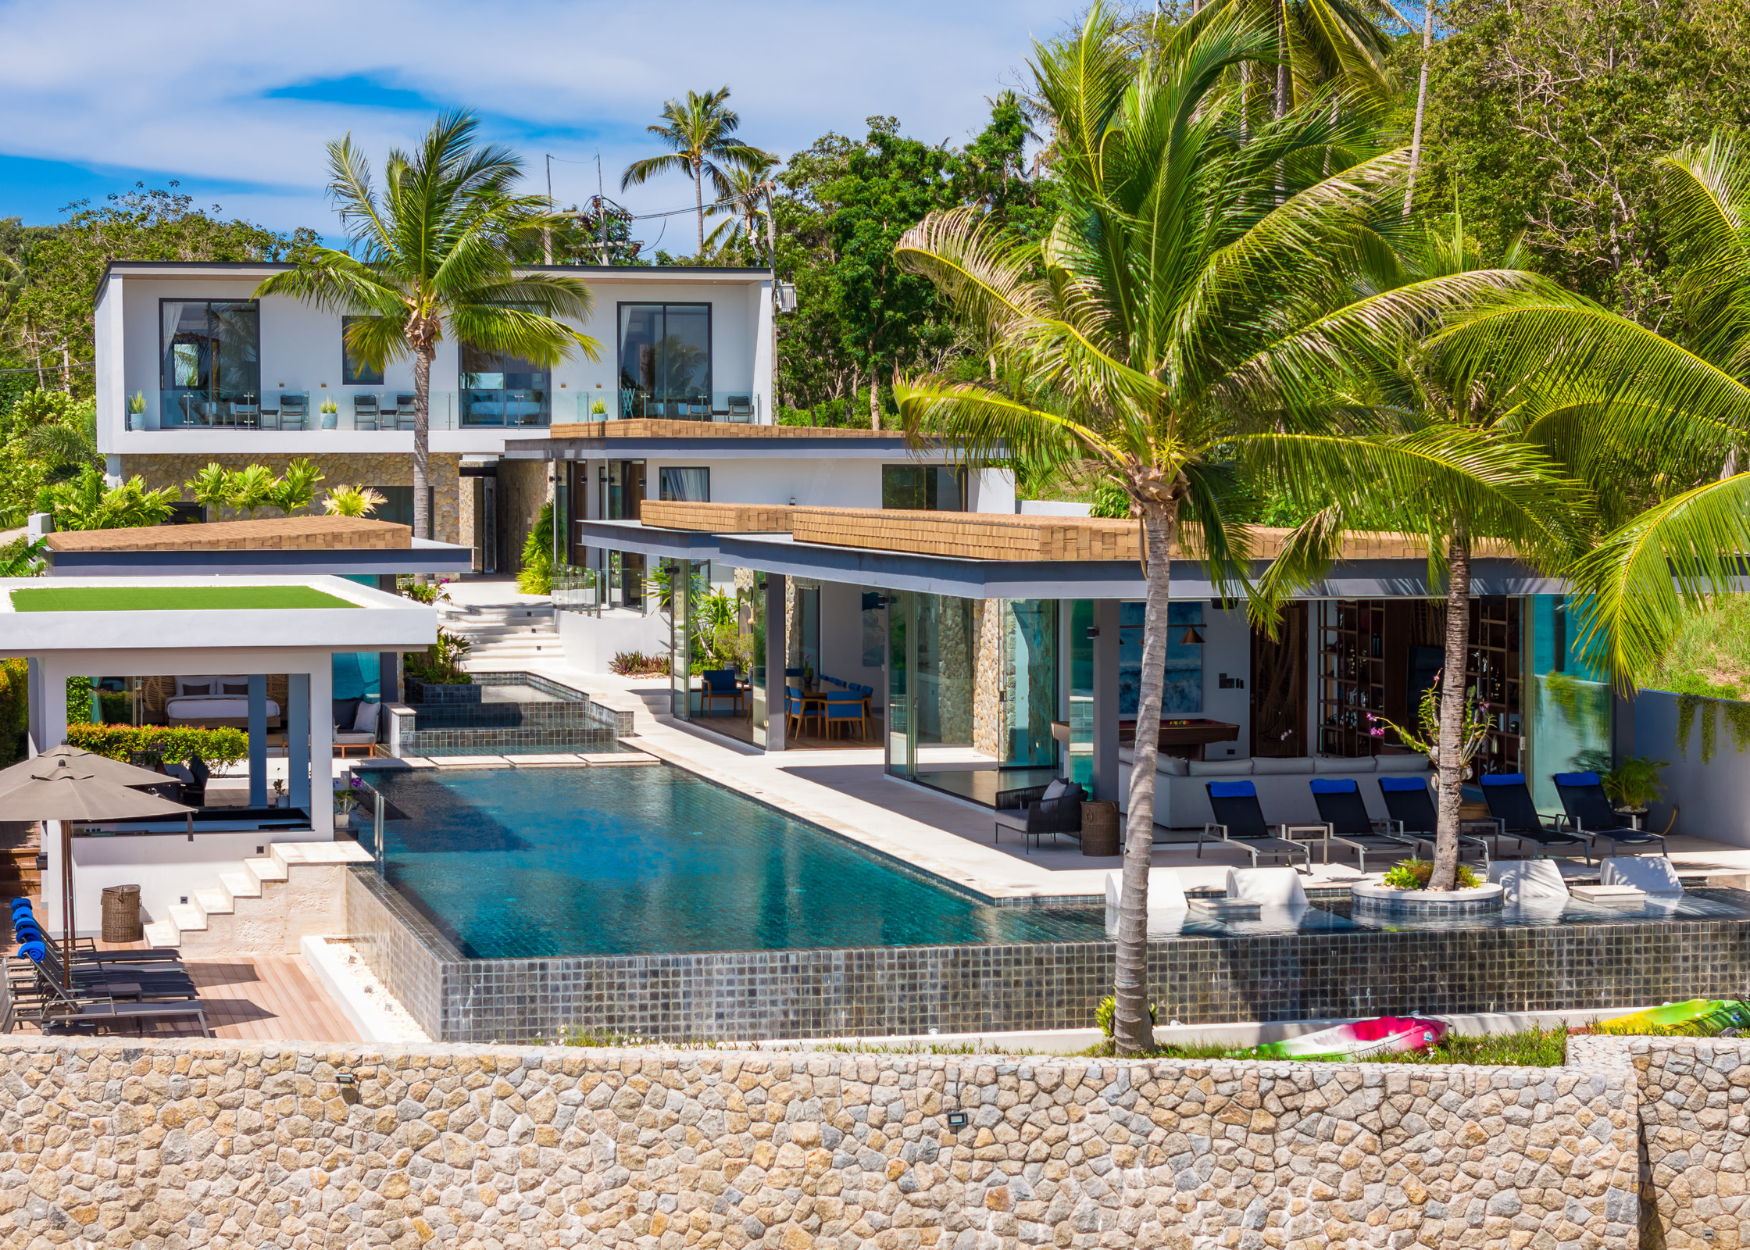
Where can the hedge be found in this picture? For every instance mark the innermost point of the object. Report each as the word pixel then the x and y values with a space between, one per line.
pixel 225 745
pixel 14 709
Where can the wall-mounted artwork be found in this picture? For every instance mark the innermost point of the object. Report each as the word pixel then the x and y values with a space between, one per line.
pixel 1182 693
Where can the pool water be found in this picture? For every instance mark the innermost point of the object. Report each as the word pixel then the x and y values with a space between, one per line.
pixel 520 863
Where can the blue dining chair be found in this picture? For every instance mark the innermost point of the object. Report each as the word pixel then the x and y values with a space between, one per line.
pixel 844 707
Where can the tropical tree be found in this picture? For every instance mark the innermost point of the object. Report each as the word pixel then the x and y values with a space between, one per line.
pixel 1318 44
pixel 352 501
pixel 745 187
pixel 429 254
pixel 1185 300
pixel 296 487
pixel 699 129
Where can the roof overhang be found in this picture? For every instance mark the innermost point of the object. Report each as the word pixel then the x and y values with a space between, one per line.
pixel 1031 579
pixel 622 440
pixel 377 621
pixel 423 556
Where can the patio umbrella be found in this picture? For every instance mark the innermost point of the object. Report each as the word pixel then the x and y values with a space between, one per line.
pixel 68 788
pixel 97 765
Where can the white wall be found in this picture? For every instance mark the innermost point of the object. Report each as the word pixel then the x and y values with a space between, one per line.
pixel 1714 797
pixel 812 482
pixel 991 490
pixel 591 641
pixel 166 867
pixel 1048 507
pixel 1227 648
pixel 841 638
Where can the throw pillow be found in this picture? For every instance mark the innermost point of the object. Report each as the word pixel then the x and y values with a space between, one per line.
pixel 1054 791
pixel 345 713
pixel 194 687
pixel 366 719
pixel 234 688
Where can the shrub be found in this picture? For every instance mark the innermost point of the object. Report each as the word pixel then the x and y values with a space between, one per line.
pixel 536 575
pixel 637 664
pixel 441 663
pixel 1108 1008
pixel 1414 874
pixel 14 709
pixel 225 745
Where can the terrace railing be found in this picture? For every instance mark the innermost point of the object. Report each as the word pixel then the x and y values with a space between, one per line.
pixel 370 800
pixel 577 589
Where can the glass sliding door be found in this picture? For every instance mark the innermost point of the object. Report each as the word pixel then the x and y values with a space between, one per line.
pixel 665 361
pixel 944 670
pixel 901 657
pixel 685 485
pixel 499 390
pixel 923 487
pixel 1571 704
pixel 210 361
pixel 1031 680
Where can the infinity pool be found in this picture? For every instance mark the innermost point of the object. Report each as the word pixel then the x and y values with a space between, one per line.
pixel 519 863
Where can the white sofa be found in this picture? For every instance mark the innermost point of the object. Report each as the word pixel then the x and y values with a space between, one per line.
pixel 1181 802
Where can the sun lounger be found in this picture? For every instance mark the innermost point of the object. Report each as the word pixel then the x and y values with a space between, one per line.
pixel 1239 822
pixel 1591 815
pixel 1348 824
pixel 1517 817
pixel 1410 808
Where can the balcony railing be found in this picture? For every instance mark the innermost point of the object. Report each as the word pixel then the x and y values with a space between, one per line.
pixel 742 407
pixel 577 589
pixel 353 410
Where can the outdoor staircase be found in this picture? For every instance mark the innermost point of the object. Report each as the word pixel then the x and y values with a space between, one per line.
pixel 267 904
pixel 503 635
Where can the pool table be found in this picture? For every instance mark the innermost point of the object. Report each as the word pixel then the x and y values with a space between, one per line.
pixel 1185 737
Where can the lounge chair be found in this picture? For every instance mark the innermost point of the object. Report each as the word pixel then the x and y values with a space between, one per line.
pixel 1592 817
pixel 1267 887
pixel 294 411
pixel 1348 824
pixel 1517 817
pixel 1239 822
pixel 364 412
pixel 740 407
pixel 1410 809
pixel 1057 810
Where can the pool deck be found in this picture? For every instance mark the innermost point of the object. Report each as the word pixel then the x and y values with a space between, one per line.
pixel 848 792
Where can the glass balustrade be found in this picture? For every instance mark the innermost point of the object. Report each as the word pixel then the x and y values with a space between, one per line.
pixel 741 407
pixel 288 410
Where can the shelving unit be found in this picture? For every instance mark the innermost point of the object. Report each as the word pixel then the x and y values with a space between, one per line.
pixel 1495 670
pixel 1351 674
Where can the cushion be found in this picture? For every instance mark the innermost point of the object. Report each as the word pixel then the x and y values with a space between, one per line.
pixel 346 711
pixel 181 773
pixel 1575 779
pixel 1652 873
pixel 234 687
pixel 1502 779
pixel 1054 790
pixel 1334 785
pixel 1219 768
pixel 1411 784
pixel 186 685
pixel 1529 880
pixel 1342 764
pixel 1268 887
pixel 1231 790
pixel 1400 763
pixel 1173 765
pixel 365 721
pixel 1165 893
pixel 1293 765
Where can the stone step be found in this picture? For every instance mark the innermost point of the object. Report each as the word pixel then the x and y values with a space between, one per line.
pixel 264 870
pixel 188 918
pixel 213 902
pixel 162 933
pixel 240 884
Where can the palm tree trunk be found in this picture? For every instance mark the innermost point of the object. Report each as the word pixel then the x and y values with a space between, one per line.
pixel 422 442
pixel 699 202
pixel 1452 698
pixel 874 399
pixel 1132 1030
pixel 1282 76
pixel 1421 104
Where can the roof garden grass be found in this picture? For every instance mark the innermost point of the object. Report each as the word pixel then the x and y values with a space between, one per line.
pixel 173 599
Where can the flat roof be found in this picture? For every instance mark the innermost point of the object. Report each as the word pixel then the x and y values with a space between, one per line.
pixel 724 438
pixel 288 546
pixel 611 273
pixel 265 534
pixel 39 617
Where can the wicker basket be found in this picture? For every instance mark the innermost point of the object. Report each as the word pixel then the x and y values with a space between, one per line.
pixel 121 913
pixel 1100 828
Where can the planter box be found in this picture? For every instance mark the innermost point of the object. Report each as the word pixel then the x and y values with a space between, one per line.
pixel 1384 900
pixel 430 692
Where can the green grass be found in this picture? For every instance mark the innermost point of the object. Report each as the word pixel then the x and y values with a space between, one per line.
pixel 1533 1048
pixel 172 599
pixel 1710 653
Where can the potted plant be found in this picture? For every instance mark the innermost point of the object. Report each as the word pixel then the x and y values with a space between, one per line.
pixel 137 410
pixel 1634 783
pixel 598 409
pixel 330 414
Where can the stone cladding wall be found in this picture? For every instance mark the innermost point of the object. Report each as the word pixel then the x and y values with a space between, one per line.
pixel 374 469
pixel 523 486
pixel 1695 1135
pixel 196 1143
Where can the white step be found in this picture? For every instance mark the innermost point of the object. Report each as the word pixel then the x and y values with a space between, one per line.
pixel 187 917
pixel 213 902
pixel 240 884
pixel 163 933
pixel 265 869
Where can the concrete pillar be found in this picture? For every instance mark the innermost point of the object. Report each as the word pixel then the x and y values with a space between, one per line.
pixel 680 652
pixel 258 740
pixel 322 749
pixel 299 714
pixel 777 656
pixel 1106 771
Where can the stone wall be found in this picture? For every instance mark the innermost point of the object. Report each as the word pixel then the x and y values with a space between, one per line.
pixel 522 489
pixel 1695 1135
pixel 194 1143
pixel 337 468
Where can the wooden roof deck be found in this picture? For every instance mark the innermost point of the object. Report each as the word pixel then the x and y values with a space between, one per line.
pixel 280 533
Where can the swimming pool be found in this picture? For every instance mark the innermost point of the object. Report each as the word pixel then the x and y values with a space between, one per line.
pixel 521 863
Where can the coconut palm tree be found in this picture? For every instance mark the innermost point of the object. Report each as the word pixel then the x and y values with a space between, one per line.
pixel 699 129
pixel 745 187
pixel 1181 316
pixel 428 255
pixel 1318 44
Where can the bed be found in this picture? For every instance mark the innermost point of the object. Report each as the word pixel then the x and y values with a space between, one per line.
pixel 213 701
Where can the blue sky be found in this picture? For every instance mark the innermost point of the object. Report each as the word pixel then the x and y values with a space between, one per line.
pixel 235 100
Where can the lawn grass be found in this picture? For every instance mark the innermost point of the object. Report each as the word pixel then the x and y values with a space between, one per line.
pixel 172 599
pixel 1532 1048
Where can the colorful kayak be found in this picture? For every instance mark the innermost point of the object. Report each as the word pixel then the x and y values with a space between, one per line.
pixel 1379 1036
pixel 1704 1016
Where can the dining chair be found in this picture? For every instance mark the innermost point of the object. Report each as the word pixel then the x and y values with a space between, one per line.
pixel 294 411
pixel 845 707
pixel 364 412
pixel 741 408
pixel 246 416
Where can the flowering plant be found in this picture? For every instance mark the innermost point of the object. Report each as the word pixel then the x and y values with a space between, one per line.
pixel 1474 732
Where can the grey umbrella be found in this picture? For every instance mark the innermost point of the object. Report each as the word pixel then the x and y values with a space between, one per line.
pixel 66 788
pixel 98 765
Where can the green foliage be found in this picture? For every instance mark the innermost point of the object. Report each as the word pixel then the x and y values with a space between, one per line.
pixel 49 437
pixel 637 664
pixel 250 488
pixel 1415 874
pixel 1737 719
pixel 14 709
pixel 352 501
pixel 88 503
pixel 296 488
pixel 1473 731
pixel 218 747
pixel 422 592
pixel 1531 1048
pixel 22 558
pixel 1108 1009
pixel 535 575
pixel 441 663
pixel 78 699
pixel 1634 782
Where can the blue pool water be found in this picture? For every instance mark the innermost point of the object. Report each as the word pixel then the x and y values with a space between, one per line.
pixel 597 861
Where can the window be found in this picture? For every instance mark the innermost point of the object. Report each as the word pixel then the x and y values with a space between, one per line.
pixel 924 487
pixel 686 485
pixel 210 355
pixel 665 361
pixel 503 390
pixel 353 370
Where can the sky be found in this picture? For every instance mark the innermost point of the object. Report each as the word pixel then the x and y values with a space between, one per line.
pixel 235 100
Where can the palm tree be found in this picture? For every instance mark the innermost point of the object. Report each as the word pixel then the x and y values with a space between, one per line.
pixel 699 130
pixel 1318 44
pixel 745 187
pixel 428 254
pixel 1170 325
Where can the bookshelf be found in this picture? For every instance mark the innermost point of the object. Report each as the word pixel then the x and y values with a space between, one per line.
pixel 1351 674
pixel 1495 670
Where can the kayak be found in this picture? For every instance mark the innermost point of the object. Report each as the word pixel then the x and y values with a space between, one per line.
pixel 1377 1036
pixel 1707 1015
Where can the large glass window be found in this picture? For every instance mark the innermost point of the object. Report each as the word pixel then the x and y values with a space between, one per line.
pixel 665 361
pixel 1571 710
pixel 923 487
pixel 686 485
pixel 353 369
pixel 210 359
pixel 503 390
pixel 1030 678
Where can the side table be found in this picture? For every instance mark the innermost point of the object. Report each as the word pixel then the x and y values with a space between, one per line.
pixel 1099 827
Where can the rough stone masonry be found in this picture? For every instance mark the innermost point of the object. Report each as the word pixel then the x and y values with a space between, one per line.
pixel 178 1144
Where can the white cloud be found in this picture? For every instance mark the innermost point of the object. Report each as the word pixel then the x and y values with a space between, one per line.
pixel 181 86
